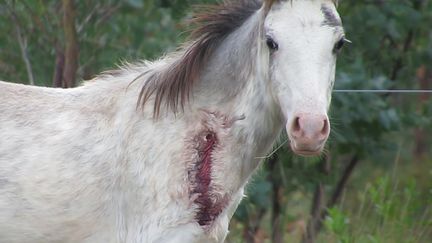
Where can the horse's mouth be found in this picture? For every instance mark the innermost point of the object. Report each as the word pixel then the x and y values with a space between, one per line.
pixel 307 151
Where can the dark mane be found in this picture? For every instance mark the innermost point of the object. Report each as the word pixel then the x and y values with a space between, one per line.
pixel 171 86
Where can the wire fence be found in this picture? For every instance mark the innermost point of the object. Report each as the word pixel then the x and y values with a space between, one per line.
pixel 384 91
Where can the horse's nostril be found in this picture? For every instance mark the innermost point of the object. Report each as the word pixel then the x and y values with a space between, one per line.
pixel 296 127
pixel 325 128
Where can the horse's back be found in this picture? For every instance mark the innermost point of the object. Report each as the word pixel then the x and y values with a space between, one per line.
pixel 39 147
pixel 19 97
pixel 25 114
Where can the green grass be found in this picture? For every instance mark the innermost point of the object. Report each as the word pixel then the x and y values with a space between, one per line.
pixel 388 213
pixel 382 204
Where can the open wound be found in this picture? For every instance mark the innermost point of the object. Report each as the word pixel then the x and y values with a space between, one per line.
pixel 210 201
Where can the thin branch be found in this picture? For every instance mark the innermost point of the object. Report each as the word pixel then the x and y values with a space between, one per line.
pixel 47 36
pixel 108 13
pixel 317 203
pixel 316 211
pixel 88 18
pixel 338 190
pixel 22 41
pixel 399 62
pixel 253 226
pixel 276 216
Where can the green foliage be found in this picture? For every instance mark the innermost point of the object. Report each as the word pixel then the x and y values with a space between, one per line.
pixel 385 33
pixel 390 211
pixel 363 125
pixel 109 32
pixel 337 223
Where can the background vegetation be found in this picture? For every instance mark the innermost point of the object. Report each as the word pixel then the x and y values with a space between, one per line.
pixel 375 182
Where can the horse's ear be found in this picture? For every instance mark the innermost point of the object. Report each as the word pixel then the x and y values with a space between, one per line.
pixel 268 4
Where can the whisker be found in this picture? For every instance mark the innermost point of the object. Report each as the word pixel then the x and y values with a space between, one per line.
pixel 274 151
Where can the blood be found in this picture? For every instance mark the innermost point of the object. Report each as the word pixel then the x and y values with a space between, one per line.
pixel 208 209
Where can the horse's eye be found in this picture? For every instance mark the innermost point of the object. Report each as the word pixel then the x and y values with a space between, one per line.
pixel 271 44
pixel 338 46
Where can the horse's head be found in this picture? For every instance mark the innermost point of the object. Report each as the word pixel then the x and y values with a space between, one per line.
pixel 303 39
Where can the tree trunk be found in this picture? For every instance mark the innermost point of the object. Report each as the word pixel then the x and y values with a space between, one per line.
pixel 319 210
pixel 316 212
pixel 318 203
pixel 58 69
pixel 276 216
pixel 424 77
pixel 251 232
pixel 71 45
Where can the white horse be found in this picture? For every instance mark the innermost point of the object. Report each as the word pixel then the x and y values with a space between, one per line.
pixel 90 165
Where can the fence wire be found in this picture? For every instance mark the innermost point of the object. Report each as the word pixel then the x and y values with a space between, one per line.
pixel 394 91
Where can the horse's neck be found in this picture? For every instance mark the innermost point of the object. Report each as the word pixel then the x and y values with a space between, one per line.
pixel 235 84
pixel 236 80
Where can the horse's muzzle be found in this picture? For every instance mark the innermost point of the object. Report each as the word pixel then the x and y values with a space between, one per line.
pixel 308 133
